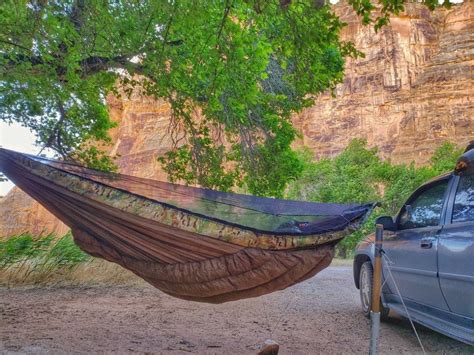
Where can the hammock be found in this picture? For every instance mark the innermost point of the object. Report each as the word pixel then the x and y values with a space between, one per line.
pixel 192 243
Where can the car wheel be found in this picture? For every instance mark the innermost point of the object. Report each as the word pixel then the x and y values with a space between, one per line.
pixel 366 278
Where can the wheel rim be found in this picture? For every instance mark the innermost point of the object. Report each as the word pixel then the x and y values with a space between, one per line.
pixel 365 290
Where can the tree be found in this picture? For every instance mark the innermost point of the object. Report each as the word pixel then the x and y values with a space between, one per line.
pixel 233 71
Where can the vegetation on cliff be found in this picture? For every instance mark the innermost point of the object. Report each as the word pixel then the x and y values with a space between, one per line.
pixel 233 71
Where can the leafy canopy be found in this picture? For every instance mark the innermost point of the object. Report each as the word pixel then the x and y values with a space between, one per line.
pixel 233 71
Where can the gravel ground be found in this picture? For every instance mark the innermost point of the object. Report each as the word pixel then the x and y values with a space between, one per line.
pixel 321 315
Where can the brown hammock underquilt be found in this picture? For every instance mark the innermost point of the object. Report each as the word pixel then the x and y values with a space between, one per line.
pixel 162 232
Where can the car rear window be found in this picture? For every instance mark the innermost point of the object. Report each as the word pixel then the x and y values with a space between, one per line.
pixel 463 210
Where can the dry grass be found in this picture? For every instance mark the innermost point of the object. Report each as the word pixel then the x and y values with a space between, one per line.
pixel 93 272
pixel 341 262
pixel 28 260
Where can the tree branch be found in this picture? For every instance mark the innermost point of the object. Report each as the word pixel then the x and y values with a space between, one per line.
pixel 56 132
pixel 96 64
pixel 15 44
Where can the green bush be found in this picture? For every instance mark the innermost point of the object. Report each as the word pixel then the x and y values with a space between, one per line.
pixel 359 175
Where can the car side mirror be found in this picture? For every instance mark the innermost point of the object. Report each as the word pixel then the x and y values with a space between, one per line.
pixel 387 223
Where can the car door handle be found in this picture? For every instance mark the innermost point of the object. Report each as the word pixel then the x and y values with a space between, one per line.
pixel 427 243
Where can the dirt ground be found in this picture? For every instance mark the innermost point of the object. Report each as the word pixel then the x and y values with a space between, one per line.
pixel 321 315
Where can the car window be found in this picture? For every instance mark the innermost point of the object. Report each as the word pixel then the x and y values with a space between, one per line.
pixel 424 209
pixel 463 209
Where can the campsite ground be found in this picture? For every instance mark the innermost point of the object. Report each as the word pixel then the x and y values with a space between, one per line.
pixel 318 316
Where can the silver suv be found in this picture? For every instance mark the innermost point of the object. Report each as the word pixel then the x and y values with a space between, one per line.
pixel 428 259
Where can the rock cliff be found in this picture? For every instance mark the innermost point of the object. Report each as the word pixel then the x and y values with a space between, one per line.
pixel 412 91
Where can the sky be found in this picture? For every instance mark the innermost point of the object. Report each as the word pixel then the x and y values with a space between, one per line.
pixel 17 138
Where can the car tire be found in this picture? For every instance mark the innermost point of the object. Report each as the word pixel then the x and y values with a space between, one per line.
pixel 366 278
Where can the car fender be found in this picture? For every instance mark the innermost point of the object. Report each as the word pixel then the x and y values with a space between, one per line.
pixel 365 251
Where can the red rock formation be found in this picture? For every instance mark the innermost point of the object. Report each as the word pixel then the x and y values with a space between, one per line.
pixel 412 91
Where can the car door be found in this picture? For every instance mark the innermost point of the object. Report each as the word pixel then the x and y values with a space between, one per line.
pixel 411 250
pixel 456 250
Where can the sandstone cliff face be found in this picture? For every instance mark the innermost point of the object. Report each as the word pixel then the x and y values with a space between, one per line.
pixel 20 213
pixel 412 91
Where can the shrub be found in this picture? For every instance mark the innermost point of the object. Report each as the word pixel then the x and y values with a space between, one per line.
pixel 358 175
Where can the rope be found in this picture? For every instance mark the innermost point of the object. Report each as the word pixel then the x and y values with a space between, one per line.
pixel 387 263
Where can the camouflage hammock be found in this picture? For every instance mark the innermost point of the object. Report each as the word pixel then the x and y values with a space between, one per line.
pixel 189 242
